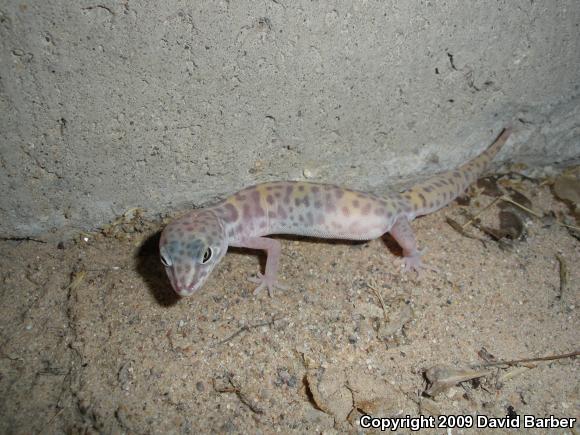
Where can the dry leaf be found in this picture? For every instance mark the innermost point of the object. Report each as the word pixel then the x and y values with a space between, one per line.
pixel 442 378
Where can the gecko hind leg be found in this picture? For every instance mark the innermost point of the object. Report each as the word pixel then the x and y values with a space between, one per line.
pixel 403 235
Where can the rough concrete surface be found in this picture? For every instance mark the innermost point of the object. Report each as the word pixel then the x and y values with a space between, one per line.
pixel 107 105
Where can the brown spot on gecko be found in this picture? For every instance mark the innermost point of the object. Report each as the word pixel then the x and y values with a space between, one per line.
pixel 259 212
pixel 355 203
pixel 423 200
pixel 289 190
pixel 232 213
pixel 380 211
pixel 301 188
pixel 315 189
pixel 246 213
pixel 282 213
pixel 338 192
pixel 317 204
pixel 366 209
pixel 345 211
pixel 271 215
pixel 240 197
pixel 270 199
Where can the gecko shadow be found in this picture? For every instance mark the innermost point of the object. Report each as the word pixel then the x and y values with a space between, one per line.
pixel 150 268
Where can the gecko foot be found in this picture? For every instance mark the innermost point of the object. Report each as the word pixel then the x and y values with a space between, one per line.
pixel 266 281
pixel 414 263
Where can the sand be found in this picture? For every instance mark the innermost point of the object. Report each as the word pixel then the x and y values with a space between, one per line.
pixel 93 340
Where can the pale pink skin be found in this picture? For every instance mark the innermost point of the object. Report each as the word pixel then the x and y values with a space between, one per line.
pixel 193 245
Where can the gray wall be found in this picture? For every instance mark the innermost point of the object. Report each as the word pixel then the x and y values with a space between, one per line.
pixel 107 105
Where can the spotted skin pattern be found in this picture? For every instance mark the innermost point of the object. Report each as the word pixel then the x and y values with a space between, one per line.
pixel 191 246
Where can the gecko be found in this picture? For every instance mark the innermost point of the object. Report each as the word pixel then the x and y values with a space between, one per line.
pixel 191 246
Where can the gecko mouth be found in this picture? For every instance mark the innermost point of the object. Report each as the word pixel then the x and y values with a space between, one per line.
pixel 184 290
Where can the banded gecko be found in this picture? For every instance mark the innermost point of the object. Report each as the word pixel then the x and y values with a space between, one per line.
pixel 191 246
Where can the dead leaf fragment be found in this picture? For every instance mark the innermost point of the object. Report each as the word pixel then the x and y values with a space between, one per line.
pixel 329 392
pixel 390 330
pixel 489 186
pixel 567 188
pixel 442 378
pixel 511 225
pixel 374 396
pixel 520 198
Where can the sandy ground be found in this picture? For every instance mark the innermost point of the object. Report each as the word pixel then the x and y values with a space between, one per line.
pixel 93 340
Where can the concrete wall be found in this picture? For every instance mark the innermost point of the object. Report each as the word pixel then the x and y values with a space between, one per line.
pixel 107 105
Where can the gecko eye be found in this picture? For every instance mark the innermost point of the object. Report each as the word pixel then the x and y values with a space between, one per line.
pixel 165 260
pixel 207 255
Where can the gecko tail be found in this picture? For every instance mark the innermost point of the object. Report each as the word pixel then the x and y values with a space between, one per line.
pixel 436 192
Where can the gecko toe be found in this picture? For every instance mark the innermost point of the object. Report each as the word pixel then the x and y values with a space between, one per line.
pixel 266 282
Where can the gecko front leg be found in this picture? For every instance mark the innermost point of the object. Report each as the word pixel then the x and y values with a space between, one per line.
pixel 272 248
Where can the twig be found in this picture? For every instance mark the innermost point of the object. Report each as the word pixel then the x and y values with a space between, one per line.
pixel 378 294
pixel 54 417
pixel 563 275
pixel 517 204
pixel 533 213
pixel 480 212
pixel 234 387
pixel 21 239
pixel 246 328
pixel 529 360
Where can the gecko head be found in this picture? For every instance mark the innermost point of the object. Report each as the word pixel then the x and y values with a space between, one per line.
pixel 190 247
